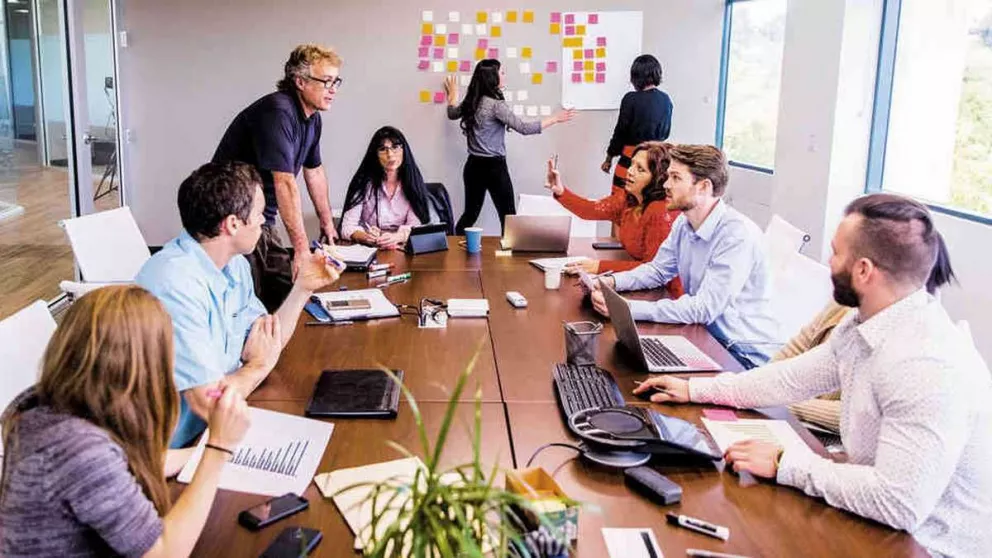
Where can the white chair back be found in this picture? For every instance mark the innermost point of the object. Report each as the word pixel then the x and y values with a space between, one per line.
pixel 801 287
pixel 108 245
pixel 546 205
pixel 783 236
pixel 23 339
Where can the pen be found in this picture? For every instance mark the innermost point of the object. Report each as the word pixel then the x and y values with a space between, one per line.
pixel 342 322
pixel 656 388
pixel 647 543
pixel 710 554
pixel 316 246
pixel 698 525
pixel 554 165
pixel 215 393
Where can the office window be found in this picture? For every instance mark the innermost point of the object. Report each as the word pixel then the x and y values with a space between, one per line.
pixel 752 76
pixel 933 138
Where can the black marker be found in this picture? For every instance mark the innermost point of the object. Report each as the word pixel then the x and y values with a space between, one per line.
pixel 699 526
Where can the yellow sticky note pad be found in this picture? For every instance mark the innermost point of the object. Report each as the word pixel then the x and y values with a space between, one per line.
pixel 537 79
pixel 427 29
pixel 528 16
pixel 495 31
pixel 600 53
pixel 480 53
pixel 580 30
pixel 589 77
pixel 425 96
pixel 526 52
pixel 481 17
pixel 452 66
pixel 590 65
pixel 572 42
pixel 440 40
pixel 511 17
pixel 555 29
pixel 577 54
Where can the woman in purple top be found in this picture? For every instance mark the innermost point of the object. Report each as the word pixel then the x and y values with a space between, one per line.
pixel 86 462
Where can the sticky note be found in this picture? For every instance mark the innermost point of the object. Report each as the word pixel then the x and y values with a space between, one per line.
pixel 452 66
pixel 481 17
pixel 438 97
pixel 720 414
pixel 468 29
pixel 511 17
pixel 496 31
pixel 465 80
pixel 427 29
pixel 423 64
pixel 440 40
pixel 497 17
pixel 569 30
pixel 423 52
pixel 480 29
pixel 441 29
pixel 554 29
pixel 577 66
pixel 588 53
pixel 555 17
pixel 537 78
pixel 453 38
pixel 545 110
pixel 601 41
pixel 600 66
pixel 454 17
pixel 427 15
pixel 452 52
pixel 577 54
pixel 508 96
pixel 482 43
pixel 593 19
pixel 511 52
pixel 525 68
pixel 526 52
pixel 600 78
pixel 528 16
pixel 572 42
pixel 588 77
pixel 522 95
pixel 438 53
pixel 576 78
pixel 425 96
pixel 589 65
pixel 551 67
pixel 426 40
pixel 531 110
pixel 569 19
pixel 480 53
pixel 580 30
pixel 518 110
pixel 437 66
pixel 466 66
pixel 493 53
pixel 600 53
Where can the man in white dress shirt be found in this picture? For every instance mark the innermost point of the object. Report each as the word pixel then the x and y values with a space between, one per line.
pixel 916 398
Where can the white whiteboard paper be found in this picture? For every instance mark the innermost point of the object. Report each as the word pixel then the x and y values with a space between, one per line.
pixel 623 32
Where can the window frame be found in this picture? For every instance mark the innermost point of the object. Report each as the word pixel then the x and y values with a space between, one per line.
pixel 882 109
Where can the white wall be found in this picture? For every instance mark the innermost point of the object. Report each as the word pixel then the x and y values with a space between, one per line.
pixel 191 66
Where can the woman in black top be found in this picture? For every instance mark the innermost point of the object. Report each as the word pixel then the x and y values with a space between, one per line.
pixel 645 115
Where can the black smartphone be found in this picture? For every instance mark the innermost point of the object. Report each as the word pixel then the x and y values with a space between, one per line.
pixel 269 512
pixel 293 542
pixel 610 245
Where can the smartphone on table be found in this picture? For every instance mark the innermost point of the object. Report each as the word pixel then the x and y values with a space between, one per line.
pixel 293 542
pixel 269 512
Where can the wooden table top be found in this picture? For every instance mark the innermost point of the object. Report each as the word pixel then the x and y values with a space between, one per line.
pixel 515 352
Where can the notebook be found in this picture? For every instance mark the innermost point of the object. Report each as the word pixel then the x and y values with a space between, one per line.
pixel 378 305
pixel 356 256
pixel 355 393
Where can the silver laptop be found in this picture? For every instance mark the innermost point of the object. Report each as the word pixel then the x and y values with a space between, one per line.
pixel 659 353
pixel 537 233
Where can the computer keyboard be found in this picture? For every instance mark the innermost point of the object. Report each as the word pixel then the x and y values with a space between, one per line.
pixel 658 354
pixel 582 387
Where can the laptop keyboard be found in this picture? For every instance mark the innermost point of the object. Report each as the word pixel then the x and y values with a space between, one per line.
pixel 658 354
pixel 582 387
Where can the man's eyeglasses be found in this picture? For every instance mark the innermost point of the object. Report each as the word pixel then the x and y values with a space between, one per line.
pixel 383 149
pixel 329 83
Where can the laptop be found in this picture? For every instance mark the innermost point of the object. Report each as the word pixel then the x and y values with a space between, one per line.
pixel 659 353
pixel 537 233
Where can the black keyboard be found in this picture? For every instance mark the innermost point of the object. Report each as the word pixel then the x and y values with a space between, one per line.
pixel 658 354
pixel 582 387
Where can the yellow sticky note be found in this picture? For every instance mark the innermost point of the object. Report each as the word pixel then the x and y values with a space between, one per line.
pixel 528 16
pixel 577 54
pixel 425 96
pixel 590 65
pixel 589 77
pixel 480 53
pixel 526 52
pixel 495 31
pixel 555 29
pixel 511 17
pixel 572 42
pixel 537 79
pixel 580 30
pixel 452 66
pixel 600 53
pixel 427 29
pixel 440 40
pixel 481 17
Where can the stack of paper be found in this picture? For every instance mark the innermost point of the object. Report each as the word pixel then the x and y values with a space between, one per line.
pixel 354 254
pixel 727 432
pixel 544 263
pixel 381 307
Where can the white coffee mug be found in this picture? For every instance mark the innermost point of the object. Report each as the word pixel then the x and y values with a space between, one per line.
pixel 552 278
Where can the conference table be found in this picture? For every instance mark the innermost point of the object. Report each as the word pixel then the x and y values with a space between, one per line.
pixel 514 351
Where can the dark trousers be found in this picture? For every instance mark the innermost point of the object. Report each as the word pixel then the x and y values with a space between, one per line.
pixel 481 175
pixel 271 269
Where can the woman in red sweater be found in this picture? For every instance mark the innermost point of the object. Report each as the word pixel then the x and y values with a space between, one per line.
pixel 640 211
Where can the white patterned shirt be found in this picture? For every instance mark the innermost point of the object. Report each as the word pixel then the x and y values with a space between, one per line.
pixel 916 421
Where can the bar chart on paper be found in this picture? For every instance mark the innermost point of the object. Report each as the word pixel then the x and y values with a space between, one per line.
pixel 278 454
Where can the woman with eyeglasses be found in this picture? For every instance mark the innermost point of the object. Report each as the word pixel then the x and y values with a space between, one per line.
pixel 485 117
pixel 387 196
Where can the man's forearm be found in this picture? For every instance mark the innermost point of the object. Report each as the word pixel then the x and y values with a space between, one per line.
pixel 316 180
pixel 289 312
pixel 288 200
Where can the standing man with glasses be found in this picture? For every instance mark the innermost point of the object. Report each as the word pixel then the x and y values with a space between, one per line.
pixel 279 135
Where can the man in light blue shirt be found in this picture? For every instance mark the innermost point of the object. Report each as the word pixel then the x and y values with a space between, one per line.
pixel 223 337
pixel 719 255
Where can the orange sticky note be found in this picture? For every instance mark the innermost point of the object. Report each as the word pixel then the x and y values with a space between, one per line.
pixel 481 17
pixel 425 96
pixel 589 66
pixel 452 66
pixel 577 54
pixel 589 77
pixel 511 17
pixel 528 16
pixel 555 29
pixel 537 79
pixel 580 30
pixel 480 53
pixel 440 40
pixel 600 53
pixel 526 52
pixel 427 29
pixel 495 31
pixel 572 42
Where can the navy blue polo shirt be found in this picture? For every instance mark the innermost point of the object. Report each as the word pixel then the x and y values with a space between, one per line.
pixel 274 135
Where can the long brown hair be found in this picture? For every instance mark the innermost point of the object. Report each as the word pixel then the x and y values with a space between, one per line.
pixel 110 363
pixel 658 160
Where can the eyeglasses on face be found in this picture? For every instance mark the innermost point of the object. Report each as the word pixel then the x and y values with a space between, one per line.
pixel 329 83
pixel 396 148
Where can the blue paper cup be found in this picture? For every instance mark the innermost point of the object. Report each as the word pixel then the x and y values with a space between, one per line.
pixel 473 240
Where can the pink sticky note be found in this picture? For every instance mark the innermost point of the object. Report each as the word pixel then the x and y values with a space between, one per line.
pixel 576 78
pixel 552 67
pixel 438 53
pixel 720 414
pixel 577 66
pixel 423 65
pixel 493 53
pixel 465 66
pixel 601 41
pixel 600 66
pixel 600 78
pixel 569 29
pixel 452 38
pixel 439 97
pixel 425 40
pixel 423 52
pixel 569 19
pixel 589 53
pixel 483 43
pixel 593 19
pixel 555 17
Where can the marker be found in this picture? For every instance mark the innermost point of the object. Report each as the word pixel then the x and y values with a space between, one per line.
pixel 699 526
pixel 380 267
pixel 373 273
pixel 215 393
pixel 398 278
pixel 710 554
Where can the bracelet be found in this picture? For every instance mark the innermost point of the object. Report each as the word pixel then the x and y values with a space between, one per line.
pixel 218 448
